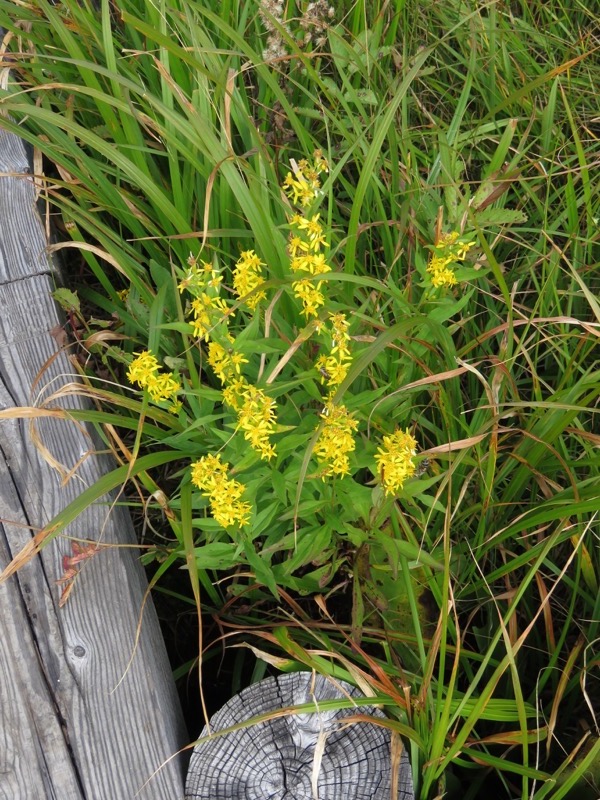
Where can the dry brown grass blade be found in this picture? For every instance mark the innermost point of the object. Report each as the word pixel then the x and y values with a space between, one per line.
pixel 560 689
pixel 302 337
pixel 438 377
pixel 101 337
pixel 590 327
pixel 506 181
pixel 459 444
pixel 231 75
pixel 507 738
pixel 592 438
pixel 60 337
pixel 30 412
pixel 89 248
pixel 29 551
pixel 396 750
pixel 378 680
pixel 548 621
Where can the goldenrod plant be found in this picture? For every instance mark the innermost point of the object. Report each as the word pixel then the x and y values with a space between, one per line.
pixel 340 324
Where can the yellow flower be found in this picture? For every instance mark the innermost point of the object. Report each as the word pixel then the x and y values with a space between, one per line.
pixel 143 368
pixel 446 240
pixel 209 474
pixel 310 295
pixel 299 190
pixel 256 414
pixel 332 370
pixel 208 309
pixel 395 460
pixel 256 417
pixel 313 229
pixel 334 367
pixel 307 237
pixel 175 407
pixel 340 336
pixel 233 392
pixel 448 250
pixel 297 245
pixel 198 276
pixel 336 440
pixel 303 185
pixel 247 277
pixel 321 163
pixel 225 363
pixel 441 274
pixel 162 387
pixel 207 312
pixel 314 264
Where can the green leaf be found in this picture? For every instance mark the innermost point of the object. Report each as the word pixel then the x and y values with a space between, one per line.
pixel 310 545
pixel 67 300
pixel 217 555
pixel 499 216
pixel 261 567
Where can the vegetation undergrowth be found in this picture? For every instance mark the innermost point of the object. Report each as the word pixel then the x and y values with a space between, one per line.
pixel 344 275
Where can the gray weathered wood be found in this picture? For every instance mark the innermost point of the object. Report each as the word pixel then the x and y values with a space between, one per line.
pixel 87 710
pixel 276 758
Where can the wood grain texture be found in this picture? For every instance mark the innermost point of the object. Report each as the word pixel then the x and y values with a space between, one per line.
pixel 286 756
pixel 22 253
pixel 87 710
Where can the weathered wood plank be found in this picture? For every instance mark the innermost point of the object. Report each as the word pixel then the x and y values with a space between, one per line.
pixel 85 712
pixel 22 253
pixel 37 766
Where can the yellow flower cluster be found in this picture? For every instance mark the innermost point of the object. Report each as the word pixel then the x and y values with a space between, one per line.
pixel 304 247
pixel 208 308
pixel 310 296
pixel 307 237
pixel 247 277
pixel 336 440
pixel 334 367
pixel 395 460
pixel 256 411
pixel 254 408
pixel 303 186
pixel 199 276
pixel 161 386
pixel 226 363
pixel 204 317
pixel 209 474
pixel 314 237
pixel 256 414
pixel 447 251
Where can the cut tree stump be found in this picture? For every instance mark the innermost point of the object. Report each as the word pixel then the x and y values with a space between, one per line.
pixel 88 707
pixel 308 756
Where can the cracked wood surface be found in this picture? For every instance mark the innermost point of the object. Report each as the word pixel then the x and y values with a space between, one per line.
pixel 328 754
pixel 87 711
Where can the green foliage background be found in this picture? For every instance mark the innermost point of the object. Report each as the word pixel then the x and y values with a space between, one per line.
pixel 473 603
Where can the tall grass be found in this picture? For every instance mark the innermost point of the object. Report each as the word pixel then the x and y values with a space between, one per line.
pixel 469 604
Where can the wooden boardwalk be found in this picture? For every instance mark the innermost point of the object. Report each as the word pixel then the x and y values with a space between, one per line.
pixel 87 710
